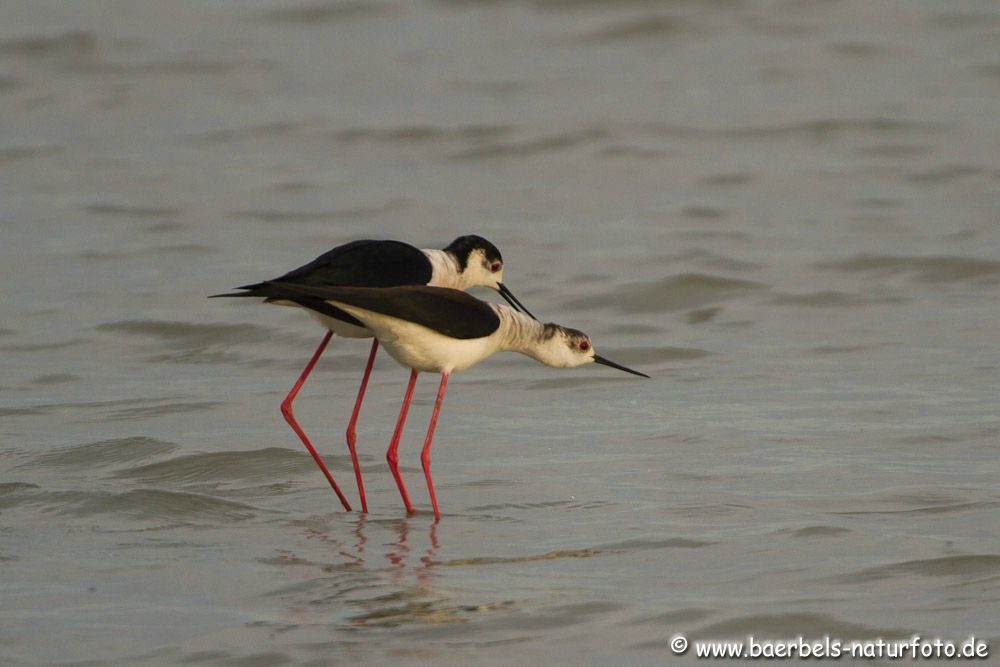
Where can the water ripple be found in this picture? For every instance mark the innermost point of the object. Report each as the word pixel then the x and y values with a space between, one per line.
pixel 965 567
pixel 806 624
pixel 260 464
pixel 930 269
pixel 104 453
pixel 679 292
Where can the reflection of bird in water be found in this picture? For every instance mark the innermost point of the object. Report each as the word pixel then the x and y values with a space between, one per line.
pixel 399 555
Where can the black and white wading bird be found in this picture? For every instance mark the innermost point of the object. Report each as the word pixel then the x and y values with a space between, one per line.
pixel 469 261
pixel 441 330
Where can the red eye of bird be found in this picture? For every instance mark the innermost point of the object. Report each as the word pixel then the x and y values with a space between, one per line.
pixel 584 345
pixel 494 267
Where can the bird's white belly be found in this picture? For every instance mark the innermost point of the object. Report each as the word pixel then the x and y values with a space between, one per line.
pixel 416 346
pixel 336 326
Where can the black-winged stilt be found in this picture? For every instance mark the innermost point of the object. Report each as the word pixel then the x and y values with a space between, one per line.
pixel 469 261
pixel 442 330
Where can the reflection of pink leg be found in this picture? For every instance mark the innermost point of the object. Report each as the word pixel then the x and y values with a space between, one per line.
pixel 351 433
pixel 392 456
pixel 286 410
pixel 425 454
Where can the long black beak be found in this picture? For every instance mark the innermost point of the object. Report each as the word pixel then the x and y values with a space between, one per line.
pixel 512 300
pixel 606 362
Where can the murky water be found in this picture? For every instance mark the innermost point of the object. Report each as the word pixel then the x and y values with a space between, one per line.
pixel 787 212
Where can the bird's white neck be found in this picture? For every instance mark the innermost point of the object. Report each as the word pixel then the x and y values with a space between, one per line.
pixel 445 271
pixel 520 333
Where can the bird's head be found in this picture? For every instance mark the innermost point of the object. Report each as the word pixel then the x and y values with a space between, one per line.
pixel 481 264
pixel 562 347
pixel 479 261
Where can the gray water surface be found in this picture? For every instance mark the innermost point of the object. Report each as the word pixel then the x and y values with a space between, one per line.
pixel 787 212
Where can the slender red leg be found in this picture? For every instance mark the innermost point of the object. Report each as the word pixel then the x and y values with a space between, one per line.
pixel 352 435
pixel 425 454
pixel 286 410
pixel 392 456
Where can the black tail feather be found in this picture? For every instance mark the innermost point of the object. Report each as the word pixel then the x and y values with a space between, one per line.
pixel 272 292
pixel 257 289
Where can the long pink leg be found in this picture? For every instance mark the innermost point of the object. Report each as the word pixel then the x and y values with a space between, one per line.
pixel 352 435
pixel 425 454
pixel 286 410
pixel 392 456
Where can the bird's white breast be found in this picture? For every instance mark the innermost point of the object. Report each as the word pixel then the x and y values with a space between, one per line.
pixel 416 346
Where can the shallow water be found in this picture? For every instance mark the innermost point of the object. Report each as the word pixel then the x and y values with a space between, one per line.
pixel 786 212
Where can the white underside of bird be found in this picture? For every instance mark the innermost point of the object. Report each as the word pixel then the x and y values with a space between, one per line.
pixel 416 346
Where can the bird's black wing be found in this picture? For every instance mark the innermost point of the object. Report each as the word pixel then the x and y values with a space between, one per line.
pixel 273 292
pixel 447 311
pixel 364 263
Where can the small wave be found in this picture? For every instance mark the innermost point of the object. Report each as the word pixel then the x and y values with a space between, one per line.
pixel 847 349
pixel 191 335
pixel 157 251
pixel 42 347
pixel 73 43
pixel 15 494
pixel 815 531
pixel 970 566
pixel 544 144
pixel 131 211
pixel 161 505
pixel 181 67
pixel 674 619
pixel 324 12
pixel 15 154
pixel 391 613
pixel 896 150
pixel 857 49
pixel 343 214
pixel 791 625
pixel 830 129
pixel 928 510
pixel 729 179
pixel 680 292
pixel 584 552
pixel 930 269
pixel 421 133
pixel 278 130
pixel 651 354
pixel 601 376
pixel 832 299
pixel 944 174
pixel 817 130
pixel 564 615
pixel 56 378
pixel 46 408
pixel 104 453
pixel 157 505
pixel 648 27
pixel 146 412
pixel 260 464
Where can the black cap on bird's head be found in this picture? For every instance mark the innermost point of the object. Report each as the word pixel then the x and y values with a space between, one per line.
pixel 462 247
pixel 483 261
